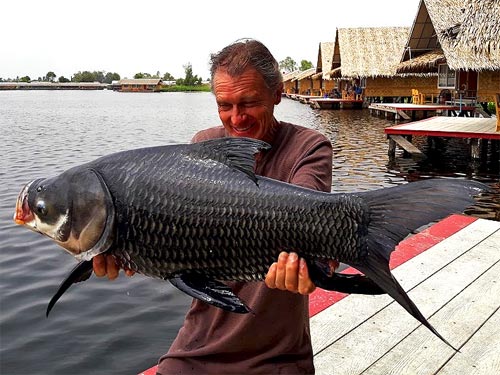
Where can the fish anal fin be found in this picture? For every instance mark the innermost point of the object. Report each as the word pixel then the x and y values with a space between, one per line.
pixel 81 272
pixel 209 291
pixel 324 277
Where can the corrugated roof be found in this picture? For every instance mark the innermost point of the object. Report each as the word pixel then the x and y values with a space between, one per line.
pixel 371 51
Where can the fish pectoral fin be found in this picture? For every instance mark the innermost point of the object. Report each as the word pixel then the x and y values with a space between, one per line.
pixel 81 272
pixel 323 277
pixel 210 291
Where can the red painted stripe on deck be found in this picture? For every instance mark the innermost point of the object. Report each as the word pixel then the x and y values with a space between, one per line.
pixel 407 249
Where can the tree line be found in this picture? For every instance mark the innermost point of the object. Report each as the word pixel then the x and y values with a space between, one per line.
pixel 189 78
pixel 289 65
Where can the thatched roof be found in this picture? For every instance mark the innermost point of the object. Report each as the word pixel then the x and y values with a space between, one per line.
pixel 290 76
pixel 425 63
pixel 467 31
pixel 325 57
pixel 305 74
pixel 371 51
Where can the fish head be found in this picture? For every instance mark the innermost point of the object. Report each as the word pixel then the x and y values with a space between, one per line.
pixel 74 209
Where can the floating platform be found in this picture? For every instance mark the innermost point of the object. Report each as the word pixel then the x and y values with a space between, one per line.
pixel 408 111
pixel 473 128
pixel 451 272
pixel 305 99
pixel 331 103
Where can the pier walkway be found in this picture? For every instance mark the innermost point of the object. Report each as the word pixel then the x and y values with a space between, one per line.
pixel 451 272
pixel 408 111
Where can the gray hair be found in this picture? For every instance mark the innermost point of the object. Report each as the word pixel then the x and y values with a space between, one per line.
pixel 247 53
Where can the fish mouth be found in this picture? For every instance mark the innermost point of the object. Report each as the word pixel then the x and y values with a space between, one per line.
pixel 23 214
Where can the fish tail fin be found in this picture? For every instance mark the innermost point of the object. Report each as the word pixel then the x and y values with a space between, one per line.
pixel 377 269
pixel 396 212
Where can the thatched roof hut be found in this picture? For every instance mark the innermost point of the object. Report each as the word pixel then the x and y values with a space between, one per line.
pixel 466 31
pixel 371 51
pixel 324 63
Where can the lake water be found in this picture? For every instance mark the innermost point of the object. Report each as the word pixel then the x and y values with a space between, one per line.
pixel 123 327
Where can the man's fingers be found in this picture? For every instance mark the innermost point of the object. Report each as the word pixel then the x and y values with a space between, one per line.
pixel 271 276
pixel 99 265
pixel 291 274
pixel 306 286
pixel 112 268
pixel 281 271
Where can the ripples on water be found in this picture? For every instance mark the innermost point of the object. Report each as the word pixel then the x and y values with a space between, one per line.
pixel 124 326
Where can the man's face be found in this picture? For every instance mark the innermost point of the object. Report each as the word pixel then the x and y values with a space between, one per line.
pixel 245 104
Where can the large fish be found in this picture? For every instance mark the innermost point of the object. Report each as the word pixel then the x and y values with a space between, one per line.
pixel 197 215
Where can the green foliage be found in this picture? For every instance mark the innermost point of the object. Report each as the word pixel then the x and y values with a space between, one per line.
pixel 189 79
pixel 183 88
pixel 304 65
pixel 288 65
pixel 25 79
pixel 110 77
pixel 50 76
pixel 63 79
pixel 491 107
pixel 142 75
pixel 84 76
pixel 168 77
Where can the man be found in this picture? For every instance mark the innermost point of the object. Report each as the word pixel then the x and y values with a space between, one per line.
pixel 274 337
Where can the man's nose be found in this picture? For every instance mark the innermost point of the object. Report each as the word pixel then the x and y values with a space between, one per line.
pixel 237 116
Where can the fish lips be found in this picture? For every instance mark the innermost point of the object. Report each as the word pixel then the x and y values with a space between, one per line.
pixel 23 214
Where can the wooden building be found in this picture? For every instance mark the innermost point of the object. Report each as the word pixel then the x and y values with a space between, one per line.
pixel 459 41
pixel 304 81
pixel 139 85
pixel 368 57
pixel 289 86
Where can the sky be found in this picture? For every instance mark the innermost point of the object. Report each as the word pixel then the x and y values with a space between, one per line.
pixel 153 36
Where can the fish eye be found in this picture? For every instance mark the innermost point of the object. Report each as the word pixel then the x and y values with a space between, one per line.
pixel 41 209
pixel 39 189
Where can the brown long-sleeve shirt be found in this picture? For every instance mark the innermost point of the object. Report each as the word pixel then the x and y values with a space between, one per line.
pixel 274 338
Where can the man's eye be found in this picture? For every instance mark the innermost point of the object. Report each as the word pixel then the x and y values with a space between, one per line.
pixel 224 107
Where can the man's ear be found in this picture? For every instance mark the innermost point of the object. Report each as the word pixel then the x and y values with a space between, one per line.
pixel 277 99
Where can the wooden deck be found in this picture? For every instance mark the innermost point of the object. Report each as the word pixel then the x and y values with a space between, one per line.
pixel 331 103
pixel 454 283
pixel 454 127
pixel 451 272
pixel 408 111
pixel 472 128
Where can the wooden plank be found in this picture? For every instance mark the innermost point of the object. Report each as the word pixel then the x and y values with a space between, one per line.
pixel 403 114
pixel 459 319
pixel 377 335
pixel 339 319
pixel 407 146
pixel 481 355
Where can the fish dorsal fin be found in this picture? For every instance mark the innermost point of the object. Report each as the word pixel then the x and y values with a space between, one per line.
pixel 237 153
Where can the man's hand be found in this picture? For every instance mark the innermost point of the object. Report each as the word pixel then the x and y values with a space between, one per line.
pixel 290 273
pixel 105 265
